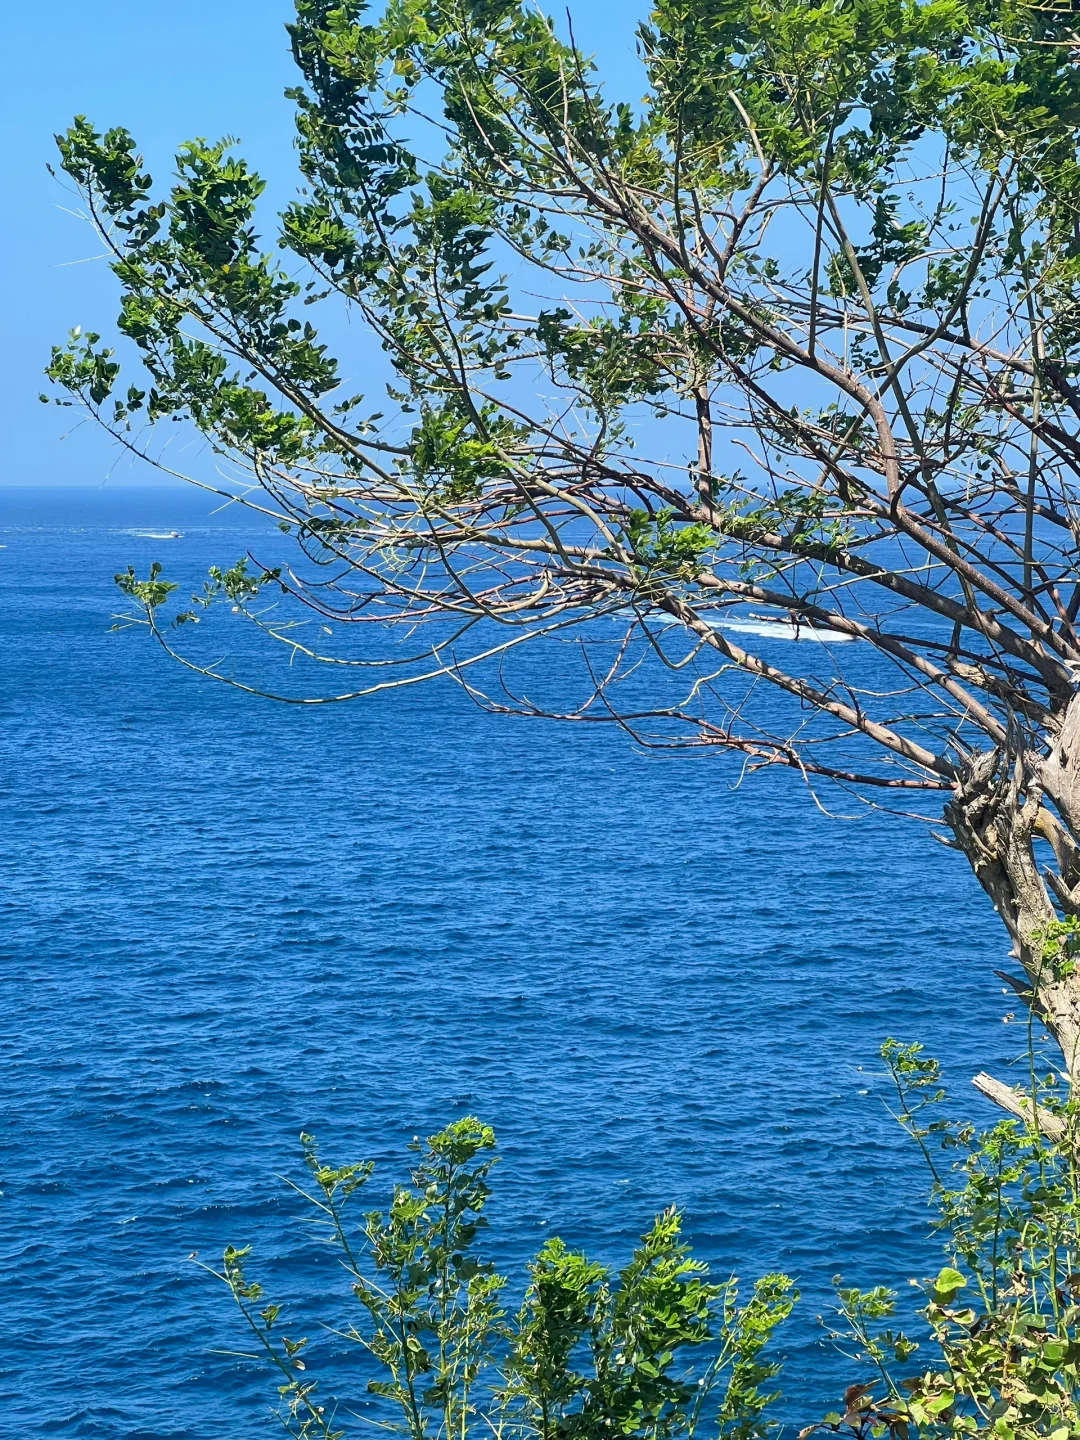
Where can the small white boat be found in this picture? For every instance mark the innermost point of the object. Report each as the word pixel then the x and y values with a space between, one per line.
pixel 158 534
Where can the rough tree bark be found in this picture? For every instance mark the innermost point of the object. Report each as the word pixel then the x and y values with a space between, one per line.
pixel 1007 800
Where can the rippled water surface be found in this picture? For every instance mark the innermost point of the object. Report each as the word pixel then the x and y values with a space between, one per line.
pixel 225 920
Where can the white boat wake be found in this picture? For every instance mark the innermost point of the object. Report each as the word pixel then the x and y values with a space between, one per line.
pixel 784 630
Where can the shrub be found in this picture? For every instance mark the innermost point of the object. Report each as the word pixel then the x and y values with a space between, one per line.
pixel 662 1350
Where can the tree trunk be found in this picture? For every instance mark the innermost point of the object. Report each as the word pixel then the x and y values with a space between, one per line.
pixel 1006 800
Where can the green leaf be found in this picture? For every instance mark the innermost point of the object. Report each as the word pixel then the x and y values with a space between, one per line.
pixel 948 1282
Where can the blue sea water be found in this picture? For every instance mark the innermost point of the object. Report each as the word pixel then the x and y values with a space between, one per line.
pixel 223 921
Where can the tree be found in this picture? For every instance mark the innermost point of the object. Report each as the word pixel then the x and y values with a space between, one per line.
pixel 798 331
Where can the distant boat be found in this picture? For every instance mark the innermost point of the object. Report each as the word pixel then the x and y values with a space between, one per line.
pixel 158 534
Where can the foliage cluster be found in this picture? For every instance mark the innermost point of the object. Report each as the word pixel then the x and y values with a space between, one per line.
pixel 839 243
pixel 999 1355
pixel 657 1349
pixel 660 1349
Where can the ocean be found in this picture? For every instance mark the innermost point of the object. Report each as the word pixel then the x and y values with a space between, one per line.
pixel 224 921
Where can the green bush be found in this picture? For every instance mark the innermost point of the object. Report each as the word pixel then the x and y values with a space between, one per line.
pixel 657 1349
pixel 660 1349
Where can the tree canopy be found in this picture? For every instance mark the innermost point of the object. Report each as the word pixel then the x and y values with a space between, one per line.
pixel 798 331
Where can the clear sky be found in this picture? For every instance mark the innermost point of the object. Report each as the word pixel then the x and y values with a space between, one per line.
pixel 166 72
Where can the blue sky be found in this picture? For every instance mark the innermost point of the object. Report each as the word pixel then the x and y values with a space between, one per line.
pixel 166 72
